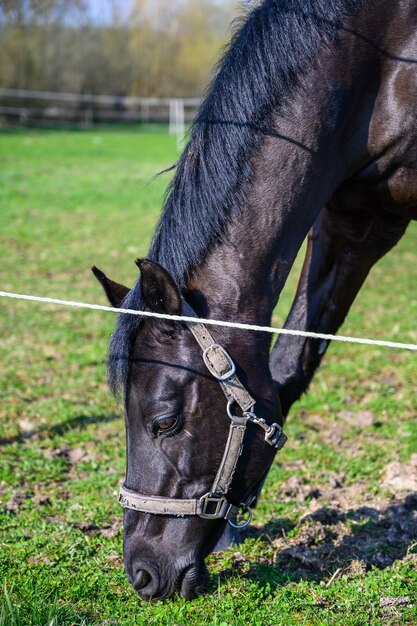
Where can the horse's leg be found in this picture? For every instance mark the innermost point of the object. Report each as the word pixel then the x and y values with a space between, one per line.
pixel 342 248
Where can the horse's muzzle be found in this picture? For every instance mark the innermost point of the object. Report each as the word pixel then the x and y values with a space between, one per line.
pixel 146 581
pixel 193 581
pixel 150 585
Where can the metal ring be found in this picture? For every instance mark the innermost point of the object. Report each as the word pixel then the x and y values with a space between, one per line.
pixel 245 523
pixel 229 409
pixel 246 414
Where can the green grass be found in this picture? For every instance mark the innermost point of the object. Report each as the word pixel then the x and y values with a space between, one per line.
pixel 71 199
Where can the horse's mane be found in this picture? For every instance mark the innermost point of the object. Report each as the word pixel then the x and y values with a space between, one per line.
pixel 271 50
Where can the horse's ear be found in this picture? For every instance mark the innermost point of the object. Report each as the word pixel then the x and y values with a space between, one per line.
pixel 159 290
pixel 115 292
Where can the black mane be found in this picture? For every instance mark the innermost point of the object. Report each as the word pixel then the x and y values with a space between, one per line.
pixel 276 45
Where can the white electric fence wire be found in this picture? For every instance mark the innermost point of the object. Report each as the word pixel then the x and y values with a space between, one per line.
pixel 194 320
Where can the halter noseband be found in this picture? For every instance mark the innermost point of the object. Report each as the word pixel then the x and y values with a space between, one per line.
pixel 214 504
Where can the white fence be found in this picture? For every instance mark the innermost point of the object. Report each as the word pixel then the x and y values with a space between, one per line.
pixel 42 108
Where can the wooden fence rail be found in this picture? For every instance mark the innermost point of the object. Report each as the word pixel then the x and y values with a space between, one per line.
pixel 43 108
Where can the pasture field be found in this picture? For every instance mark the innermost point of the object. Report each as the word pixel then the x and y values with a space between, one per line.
pixel 334 539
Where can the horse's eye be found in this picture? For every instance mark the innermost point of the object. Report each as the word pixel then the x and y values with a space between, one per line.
pixel 165 425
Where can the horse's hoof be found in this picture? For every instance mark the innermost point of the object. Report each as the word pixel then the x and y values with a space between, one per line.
pixel 230 537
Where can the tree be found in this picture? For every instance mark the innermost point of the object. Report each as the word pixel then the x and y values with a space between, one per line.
pixel 160 48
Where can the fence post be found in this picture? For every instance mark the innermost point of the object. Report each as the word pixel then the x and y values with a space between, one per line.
pixel 172 109
pixel 177 121
pixel 88 117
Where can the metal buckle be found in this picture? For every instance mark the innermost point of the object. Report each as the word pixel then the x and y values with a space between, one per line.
pixel 275 436
pixel 214 507
pixel 209 365
pixel 235 524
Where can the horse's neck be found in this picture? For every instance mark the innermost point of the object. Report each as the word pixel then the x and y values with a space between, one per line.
pixel 303 157
pixel 293 175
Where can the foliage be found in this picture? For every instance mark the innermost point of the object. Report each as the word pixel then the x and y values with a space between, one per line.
pixel 157 48
pixel 332 537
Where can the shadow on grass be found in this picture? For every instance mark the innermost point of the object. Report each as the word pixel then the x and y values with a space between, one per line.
pixel 81 422
pixel 331 542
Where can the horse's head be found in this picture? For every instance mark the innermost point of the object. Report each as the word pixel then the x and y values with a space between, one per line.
pixel 177 432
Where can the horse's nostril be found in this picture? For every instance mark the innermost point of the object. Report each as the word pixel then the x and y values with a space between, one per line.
pixel 142 579
pixel 146 581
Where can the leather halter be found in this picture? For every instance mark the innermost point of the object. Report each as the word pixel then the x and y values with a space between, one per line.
pixel 214 504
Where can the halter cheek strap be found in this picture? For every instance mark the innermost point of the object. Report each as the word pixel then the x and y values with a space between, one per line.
pixel 214 504
pixel 219 363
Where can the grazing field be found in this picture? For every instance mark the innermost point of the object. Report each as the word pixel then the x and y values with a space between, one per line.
pixel 334 539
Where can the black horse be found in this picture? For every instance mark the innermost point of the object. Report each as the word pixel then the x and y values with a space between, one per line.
pixel 309 128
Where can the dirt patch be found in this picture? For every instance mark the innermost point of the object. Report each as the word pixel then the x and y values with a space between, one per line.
pixel 334 433
pixel 391 608
pixel 72 455
pixel 344 529
pixel 109 531
pixel 360 419
pixel 18 501
pixel 400 477
pixel 332 539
